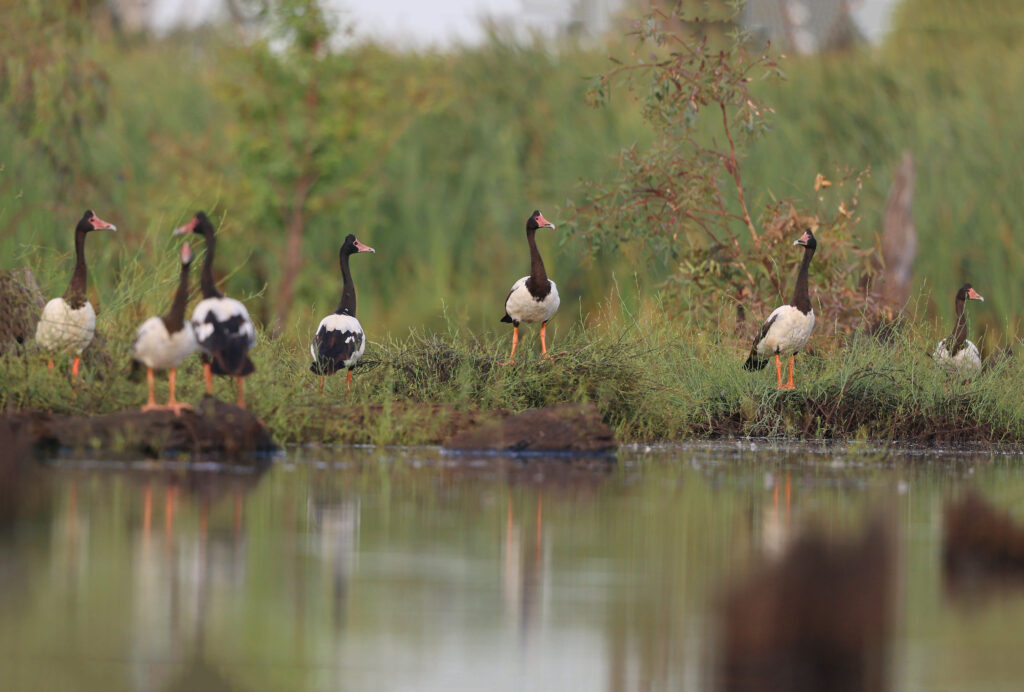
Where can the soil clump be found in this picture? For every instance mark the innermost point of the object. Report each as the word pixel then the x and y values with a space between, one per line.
pixel 575 428
pixel 213 428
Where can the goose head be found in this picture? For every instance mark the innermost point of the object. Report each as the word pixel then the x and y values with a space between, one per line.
pixel 537 220
pixel 90 222
pixel 200 223
pixel 967 292
pixel 351 246
pixel 807 240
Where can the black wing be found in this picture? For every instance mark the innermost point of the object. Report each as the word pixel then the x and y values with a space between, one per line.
pixel 754 360
pixel 228 345
pixel 333 348
pixel 507 318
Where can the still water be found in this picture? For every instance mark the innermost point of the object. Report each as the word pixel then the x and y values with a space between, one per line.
pixel 364 569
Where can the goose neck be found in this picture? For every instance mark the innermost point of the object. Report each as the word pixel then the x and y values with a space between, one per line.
pixel 538 276
pixel 175 319
pixel 75 294
pixel 801 295
pixel 208 285
pixel 959 335
pixel 347 305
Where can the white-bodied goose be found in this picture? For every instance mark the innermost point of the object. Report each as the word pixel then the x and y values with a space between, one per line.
pixel 224 331
pixel 339 341
pixel 533 298
pixel 955 352
pixel 162 343
pixel 788 328
pixel 68 323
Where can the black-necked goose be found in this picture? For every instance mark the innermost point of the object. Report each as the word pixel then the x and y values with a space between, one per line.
pixel 955 352
pixel 533 298
pixel 339 341
pixel 224 331
pixel 68 323
pixel 162 343
pixel 788 328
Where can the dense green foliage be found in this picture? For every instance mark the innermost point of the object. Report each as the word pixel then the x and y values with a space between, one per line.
pixel 437 159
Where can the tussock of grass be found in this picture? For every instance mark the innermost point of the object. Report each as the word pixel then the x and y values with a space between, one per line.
pixel 653 379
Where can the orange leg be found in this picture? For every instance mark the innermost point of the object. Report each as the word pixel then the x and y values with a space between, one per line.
pixel 49 365
pixel 172 401
pixel 74 368
pixel 208 376
pixel 543 340
pixel 778 371
pixel 790 385
pixel 241 392
pixel 348 382
pixel 515 342
pixel 322 378
pixel 151 404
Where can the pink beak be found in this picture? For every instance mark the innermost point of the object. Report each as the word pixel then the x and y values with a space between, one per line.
pixel 363 248
pixel 101 225
pixel 543 223
pixel 974 295
pixel 187 228
pixel 186 254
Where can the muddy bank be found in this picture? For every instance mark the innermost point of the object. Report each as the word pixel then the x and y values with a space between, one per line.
pixel 214 428
pixel 563 428
pixel 576 428
pixel 217 428
pixel 408 422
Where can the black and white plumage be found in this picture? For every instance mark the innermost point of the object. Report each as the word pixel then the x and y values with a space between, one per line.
pixel 521 305
pixel 956 353
pixel 68 323
pixel 163 343
pixel 339 341
pixel 533 298
pixel 787 329
pixel 224 331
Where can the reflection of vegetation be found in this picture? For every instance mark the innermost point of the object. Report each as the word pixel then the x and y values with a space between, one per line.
pixel 625 579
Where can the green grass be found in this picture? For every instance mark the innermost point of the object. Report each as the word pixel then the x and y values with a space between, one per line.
pixel 653 379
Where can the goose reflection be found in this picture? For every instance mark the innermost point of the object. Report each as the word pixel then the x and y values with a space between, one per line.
pixel 524 558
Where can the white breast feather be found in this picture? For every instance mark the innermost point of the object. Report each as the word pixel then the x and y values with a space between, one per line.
pixel 967 361
pixel 63 330
pixel 788 334
pixel 157 349
pixel 521 306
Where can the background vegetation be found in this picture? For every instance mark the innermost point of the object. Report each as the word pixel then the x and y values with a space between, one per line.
pixel 292 139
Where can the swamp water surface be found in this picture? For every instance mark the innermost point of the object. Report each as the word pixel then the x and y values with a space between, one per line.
pixel 375 569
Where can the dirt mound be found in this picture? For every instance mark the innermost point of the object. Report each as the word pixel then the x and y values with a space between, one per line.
pixel 21 303
pixel 562 428
pixel 214 428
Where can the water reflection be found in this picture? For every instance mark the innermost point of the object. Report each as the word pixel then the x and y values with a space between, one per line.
pixel 394 570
